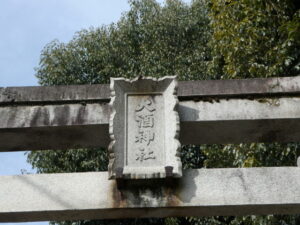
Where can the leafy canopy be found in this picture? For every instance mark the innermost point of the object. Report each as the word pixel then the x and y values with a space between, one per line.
pixel 255 38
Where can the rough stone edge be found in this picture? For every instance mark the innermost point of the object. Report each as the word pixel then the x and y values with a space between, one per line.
pixel 177 131
pixel 111 152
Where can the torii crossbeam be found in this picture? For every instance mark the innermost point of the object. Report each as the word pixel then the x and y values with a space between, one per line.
pixel 226 111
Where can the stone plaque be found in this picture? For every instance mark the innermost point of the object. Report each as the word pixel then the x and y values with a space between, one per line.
pixel 144 128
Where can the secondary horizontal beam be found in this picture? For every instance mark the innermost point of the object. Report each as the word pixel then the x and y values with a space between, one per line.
pixel 203 192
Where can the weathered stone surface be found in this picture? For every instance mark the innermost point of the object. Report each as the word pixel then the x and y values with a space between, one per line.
pixel 86 125
pixel 242 88
pixel 202 192
pixel 63 120
pixel 144 128
pixel 54 94
pixel 231 111
pixel 240 120
pixel 187 90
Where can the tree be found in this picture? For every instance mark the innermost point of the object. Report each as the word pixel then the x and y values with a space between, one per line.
pixel 217 39
pixel 258 38
pixel 149 39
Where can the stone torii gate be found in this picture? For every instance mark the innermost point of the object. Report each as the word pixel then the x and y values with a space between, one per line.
pixel 226 111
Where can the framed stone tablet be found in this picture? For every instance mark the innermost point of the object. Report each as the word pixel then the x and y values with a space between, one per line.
pixel 144 128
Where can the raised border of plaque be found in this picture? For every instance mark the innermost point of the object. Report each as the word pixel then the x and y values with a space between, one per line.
pixel 144 128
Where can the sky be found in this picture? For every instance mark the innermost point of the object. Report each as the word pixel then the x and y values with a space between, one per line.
pixel 26 27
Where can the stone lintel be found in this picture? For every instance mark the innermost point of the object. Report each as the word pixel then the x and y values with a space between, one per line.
pixel 187 90
pixel 201 192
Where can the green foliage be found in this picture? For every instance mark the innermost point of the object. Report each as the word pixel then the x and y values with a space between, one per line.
pixel 79 160
pixel 204 40
pixel 246 220
pixel 257 38
pixel 251 155
pixel 149 39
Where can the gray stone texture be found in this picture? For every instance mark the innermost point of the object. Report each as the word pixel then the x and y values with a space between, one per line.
pixel 202 192
pixel 187 90
pixel 230 111
pixel 144 128
pixel 86 125
pixel 224 111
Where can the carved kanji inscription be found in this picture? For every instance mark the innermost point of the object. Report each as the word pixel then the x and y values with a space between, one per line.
pixel 145 140
pixel 144 127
